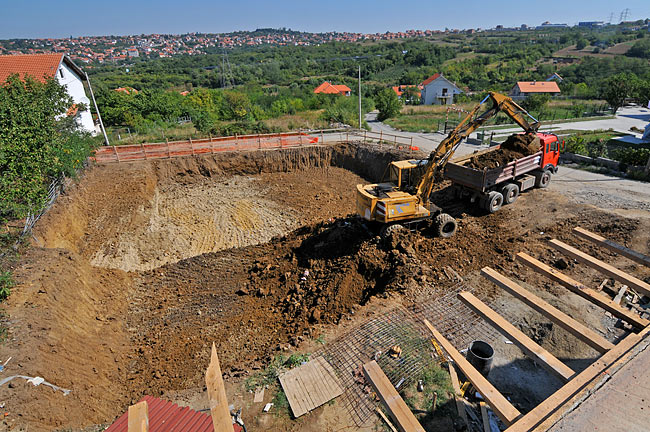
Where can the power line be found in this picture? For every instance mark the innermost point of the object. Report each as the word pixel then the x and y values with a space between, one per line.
pixel 625 13
pixel 227 77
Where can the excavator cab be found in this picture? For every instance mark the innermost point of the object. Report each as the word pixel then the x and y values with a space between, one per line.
pixel 406 174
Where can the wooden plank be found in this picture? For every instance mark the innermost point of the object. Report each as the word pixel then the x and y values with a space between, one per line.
pixel 620 295
pixel 310 385
pixel 297 395
pixel 461 403
pixel 500 405
pixel 485 417
pixel 221 420
pixel 574 327
pixel 584 292
pixel 526 344
pixel 138 417
pixel 602 267
pixel 613 246
pixel 383 416
pixel 553 402
pixel 397 408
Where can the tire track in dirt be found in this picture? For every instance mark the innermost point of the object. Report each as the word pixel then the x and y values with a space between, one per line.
pixel 186 221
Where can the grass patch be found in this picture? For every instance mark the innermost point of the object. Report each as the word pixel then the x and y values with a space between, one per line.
pixel 281 404
pixel 6 284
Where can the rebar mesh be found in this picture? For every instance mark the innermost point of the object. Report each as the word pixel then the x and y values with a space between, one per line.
pixel 403 327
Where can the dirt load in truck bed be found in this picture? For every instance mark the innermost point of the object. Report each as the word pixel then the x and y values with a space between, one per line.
pixel 515 147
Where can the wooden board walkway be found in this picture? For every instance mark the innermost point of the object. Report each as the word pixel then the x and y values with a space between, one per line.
pixel 310 386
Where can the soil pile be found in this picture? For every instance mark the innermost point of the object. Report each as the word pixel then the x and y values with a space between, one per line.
pixel 515 147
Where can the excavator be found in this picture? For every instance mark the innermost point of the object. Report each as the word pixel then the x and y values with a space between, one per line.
pixel 404 198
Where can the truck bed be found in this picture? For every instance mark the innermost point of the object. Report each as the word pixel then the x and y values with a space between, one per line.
pixel 481 181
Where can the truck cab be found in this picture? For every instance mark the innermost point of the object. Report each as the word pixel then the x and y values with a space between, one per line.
pixel 550 147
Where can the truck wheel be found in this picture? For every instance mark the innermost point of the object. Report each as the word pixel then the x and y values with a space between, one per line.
pixel 510 193
pixel 444 225
pixel 493 202
pixel 542 179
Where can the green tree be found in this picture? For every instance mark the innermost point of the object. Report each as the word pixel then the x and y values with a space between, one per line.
pixel 535 102
pixel 38 142
pixel 387 103
pixel 617 88
pixel 581 44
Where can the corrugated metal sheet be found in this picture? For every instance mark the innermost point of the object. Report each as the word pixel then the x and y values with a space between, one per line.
pixel 165 416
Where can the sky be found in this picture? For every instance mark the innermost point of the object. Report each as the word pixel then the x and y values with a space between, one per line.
pixel 64 18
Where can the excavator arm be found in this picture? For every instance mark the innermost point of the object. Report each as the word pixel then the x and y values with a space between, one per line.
pixel 446 149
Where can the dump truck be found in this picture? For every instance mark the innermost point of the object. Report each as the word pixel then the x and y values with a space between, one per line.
pixel 491 188
pixel 403 197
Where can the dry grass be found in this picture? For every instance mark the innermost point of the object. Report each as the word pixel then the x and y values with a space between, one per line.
pixel 434 109
pixel 300 120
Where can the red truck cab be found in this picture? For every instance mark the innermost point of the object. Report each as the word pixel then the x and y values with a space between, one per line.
pixel 550 147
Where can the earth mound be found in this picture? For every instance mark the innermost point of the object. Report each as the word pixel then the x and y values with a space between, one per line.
pixel 515 147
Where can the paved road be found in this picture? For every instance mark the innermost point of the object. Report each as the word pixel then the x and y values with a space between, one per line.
pixel 426 141
pixel 607 192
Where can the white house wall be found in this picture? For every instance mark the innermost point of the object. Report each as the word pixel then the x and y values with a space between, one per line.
pixel 74 86
pixel 434 89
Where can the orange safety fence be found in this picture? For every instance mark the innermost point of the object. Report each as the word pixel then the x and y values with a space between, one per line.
pixel 191 147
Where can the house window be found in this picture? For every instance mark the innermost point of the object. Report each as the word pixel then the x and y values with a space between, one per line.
pixel 444 91
pixel 61 72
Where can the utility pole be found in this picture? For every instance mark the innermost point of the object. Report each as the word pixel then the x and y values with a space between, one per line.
pixel 359 97
pixel 99 116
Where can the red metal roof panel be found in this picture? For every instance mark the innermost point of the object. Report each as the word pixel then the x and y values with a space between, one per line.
pixel 165 416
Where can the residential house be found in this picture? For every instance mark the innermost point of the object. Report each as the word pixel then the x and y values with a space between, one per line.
pixel 127 90
pixel 42 67
pixel 555 77
pixel 410 89
pixel 525 88
pixel 328 88
pixel 438 90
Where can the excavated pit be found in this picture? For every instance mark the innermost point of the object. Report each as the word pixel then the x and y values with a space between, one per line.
pixel 142 266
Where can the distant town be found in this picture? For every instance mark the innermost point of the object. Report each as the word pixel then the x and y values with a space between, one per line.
pixel 103 49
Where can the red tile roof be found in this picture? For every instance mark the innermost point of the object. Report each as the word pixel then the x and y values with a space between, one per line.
pixel 341 88
pixel 431 79
pixel 39 66
pixel 328 88
pixel 538 87
pixel 165 416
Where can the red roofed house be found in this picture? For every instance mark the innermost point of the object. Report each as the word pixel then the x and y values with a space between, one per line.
pixel 438 90
pixel 525 88
pixel 127 90
pixel 328 88
pixel 400 89
pixel 44 66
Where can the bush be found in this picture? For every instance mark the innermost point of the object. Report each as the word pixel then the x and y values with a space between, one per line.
pixel 597 149
pixel 6 284
pixel 632 156
pixel 576 144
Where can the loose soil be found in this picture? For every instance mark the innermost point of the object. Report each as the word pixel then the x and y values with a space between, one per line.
pixel 131 280
pixel 513 148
